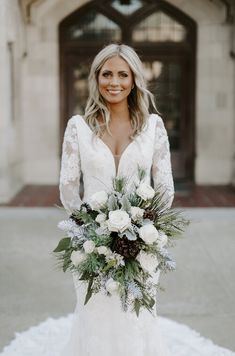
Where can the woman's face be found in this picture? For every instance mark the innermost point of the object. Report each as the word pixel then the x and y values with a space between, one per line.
pixel 115 80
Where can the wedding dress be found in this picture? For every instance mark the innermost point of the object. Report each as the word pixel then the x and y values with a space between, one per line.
pixel 110 330
pixel 101 328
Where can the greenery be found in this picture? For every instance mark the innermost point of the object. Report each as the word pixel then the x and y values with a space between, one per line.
pixel 109 258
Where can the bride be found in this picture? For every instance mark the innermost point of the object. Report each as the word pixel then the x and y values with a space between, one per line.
pixel 115 135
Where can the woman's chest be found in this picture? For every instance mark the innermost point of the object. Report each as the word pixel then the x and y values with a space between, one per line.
pixel 118 138
pixel 97 156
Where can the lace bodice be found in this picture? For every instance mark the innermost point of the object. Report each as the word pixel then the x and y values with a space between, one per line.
pixel 87 155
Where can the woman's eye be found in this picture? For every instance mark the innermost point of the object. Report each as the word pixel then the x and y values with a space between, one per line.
pixel 106 75
pixel 123 75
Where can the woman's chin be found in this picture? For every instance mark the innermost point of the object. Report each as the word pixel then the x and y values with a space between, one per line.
pixel 115 100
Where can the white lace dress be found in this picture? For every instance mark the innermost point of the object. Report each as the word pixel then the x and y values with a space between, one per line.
pixel 101 328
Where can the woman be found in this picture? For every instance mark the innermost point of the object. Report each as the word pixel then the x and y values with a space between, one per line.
pixel 116 134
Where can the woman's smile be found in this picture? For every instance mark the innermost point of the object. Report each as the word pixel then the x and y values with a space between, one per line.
pixel 114 91
pixel 115 80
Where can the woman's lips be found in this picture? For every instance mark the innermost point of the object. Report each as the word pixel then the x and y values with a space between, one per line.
pixel 114 91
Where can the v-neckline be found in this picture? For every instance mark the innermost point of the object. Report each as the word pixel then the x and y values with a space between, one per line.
pixel 109 150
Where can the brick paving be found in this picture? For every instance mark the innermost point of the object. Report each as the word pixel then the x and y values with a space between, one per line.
pixel 196 196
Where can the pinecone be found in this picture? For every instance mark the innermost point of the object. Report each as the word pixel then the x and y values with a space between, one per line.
pixel 126 248
pixel 149 214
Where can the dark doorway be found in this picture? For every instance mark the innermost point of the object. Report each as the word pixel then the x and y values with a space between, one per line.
pixel 165 39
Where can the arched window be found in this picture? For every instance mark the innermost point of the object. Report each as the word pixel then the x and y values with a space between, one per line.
pixel 164 37
pixel 158 27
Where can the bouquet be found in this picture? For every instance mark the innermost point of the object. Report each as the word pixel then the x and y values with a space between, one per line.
pixel 118 241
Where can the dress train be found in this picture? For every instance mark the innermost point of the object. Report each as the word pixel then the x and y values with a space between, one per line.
pixel 49 338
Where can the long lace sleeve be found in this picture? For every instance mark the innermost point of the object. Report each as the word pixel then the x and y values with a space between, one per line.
pixel 70 169
pixel 161 167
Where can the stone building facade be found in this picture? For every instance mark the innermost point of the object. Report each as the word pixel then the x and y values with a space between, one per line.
pixel 31 97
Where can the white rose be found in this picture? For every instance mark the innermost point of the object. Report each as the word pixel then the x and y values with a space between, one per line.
pixel 148 233
pixel 145 191
pixel 77 257
pixel 98 200
pixel 162 239
pixel 119 220
pixel 111 285
pixel 89 246
pixel 136 213
pixel 147 261
pixel 103 250
pixel 100 218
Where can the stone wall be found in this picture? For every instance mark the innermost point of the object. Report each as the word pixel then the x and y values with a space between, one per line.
pixel 41 92
pixel 215 92
pixel 215 106
pixel 12 44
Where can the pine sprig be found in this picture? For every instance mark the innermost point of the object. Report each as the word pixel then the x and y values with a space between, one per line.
pixel 119 184
pixel 106 257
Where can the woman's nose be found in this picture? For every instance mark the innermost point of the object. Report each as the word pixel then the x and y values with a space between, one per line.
pixel 114 81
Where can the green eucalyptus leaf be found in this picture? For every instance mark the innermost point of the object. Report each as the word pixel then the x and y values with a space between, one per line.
pixel 126 205
pixel 63 244
pixel 130 234
pixel 112 203
pixel 137 306
pixel 89 291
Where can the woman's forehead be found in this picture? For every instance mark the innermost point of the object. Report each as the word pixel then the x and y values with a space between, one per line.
pixel 116 63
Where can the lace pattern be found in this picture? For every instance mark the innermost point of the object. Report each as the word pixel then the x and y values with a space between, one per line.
pixel 70 169
pixel 150 150
pixel 161 167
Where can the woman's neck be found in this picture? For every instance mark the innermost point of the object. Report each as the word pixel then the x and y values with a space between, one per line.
pixel 119 113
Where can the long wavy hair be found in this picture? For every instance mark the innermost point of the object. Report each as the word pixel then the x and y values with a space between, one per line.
pixel 139 98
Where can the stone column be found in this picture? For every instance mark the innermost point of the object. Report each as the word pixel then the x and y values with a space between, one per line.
pixel 11 33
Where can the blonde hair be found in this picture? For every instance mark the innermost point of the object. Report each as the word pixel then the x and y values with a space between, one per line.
pixel 138 100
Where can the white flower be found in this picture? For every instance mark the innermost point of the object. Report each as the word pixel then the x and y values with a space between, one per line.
pixel 162 239
pixel 147 261
pixel 98 200
pixel 100 218
pixel 136 213
pixel 103 250
pixel 89 246
pixel 119 220
pixel 148 233
pixel 77 257
pixel 145 191
pixel 111 285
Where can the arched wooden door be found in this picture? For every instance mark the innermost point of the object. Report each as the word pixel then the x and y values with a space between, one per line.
pixel 165 39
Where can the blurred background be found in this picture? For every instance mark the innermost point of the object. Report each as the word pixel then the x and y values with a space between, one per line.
pixel 188 51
